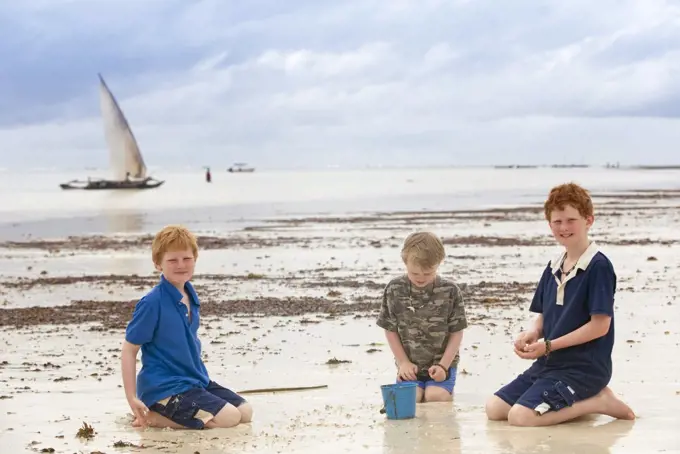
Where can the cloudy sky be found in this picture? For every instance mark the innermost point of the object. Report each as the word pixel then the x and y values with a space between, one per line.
pixel 316 83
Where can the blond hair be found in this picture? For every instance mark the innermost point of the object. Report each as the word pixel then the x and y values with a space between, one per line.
pixel 424 249
pixel 172 238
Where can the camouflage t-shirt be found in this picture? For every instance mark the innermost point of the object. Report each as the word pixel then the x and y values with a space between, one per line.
pixel 423 318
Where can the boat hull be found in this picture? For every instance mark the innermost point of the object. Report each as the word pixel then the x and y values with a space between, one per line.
pixel 111 184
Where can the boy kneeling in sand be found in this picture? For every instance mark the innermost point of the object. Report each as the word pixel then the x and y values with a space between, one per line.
pixel 574 301
pixel 423 317
pixel 173 388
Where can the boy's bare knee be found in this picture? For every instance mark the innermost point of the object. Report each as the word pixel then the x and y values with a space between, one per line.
pixel 229 416
pixel 246 411
pixel 420 394
pixel 437 394
pixel 497 409
pixel 521 416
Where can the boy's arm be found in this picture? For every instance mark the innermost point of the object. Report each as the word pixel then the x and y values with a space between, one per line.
pixel 452 348
pixel 394 341
pixel 598 326
pixel 388 321
pixel 457 322
pixel 537 326
pixel 139 331
pixel 535 332
pixel 128 358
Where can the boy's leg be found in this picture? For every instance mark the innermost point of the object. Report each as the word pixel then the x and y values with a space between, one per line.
pixel 441 391
pixel 158 421
pixel 195 409
pixel 154 419
pixel 498 406
pixel 549 402
pixel 238 402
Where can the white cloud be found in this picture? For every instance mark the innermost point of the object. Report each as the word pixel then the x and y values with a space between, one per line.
pixel 307 83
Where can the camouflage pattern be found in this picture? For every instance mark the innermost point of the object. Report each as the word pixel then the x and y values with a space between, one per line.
pixel 423 318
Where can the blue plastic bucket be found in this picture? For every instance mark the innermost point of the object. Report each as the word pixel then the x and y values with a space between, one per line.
pixel 399 400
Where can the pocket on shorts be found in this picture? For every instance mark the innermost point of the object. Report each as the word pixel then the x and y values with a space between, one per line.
pixel 168 407
pixel 559 396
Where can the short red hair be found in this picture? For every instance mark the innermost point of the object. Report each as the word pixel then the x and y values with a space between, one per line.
pixel 568 194
pixel 172 238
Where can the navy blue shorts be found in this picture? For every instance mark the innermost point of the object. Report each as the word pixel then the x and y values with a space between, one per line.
pixel 542 394
pixel 193 408
pixel 425 380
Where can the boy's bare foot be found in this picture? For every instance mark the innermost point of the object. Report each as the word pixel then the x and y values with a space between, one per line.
pixel 613 406
pixel 153 419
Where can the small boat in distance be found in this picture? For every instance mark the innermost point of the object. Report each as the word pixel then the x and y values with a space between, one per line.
pixel 241 167
pixel 127 164
pixel 101 183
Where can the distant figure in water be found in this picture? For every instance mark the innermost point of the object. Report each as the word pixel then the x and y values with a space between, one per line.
pixel 208 176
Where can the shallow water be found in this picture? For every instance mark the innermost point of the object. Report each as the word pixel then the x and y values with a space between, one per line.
pixel 31 203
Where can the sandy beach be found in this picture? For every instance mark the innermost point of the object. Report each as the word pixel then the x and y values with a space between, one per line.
pixel 292 302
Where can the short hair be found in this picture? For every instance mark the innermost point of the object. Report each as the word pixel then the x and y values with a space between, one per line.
pixel 568 194
pixel 425 249
pixel 172 238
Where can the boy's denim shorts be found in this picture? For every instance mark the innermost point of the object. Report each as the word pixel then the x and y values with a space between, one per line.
pixel 424 381
pixel 541 394
pixel 193 408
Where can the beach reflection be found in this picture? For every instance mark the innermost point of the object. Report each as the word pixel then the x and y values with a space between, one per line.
pixel 576 437
pixel 125 222
pixel 435 429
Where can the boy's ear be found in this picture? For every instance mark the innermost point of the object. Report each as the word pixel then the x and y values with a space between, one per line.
pixel 157 266
pixel 590 220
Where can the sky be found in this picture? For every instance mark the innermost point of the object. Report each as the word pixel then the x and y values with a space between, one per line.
pixel 353 83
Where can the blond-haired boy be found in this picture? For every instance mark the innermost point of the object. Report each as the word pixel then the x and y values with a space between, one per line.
pixel 173 388
pixel 423 317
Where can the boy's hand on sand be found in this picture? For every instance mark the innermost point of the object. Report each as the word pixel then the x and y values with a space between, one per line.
pixel 437 373
pixel 140 411
pixel 524 339
pixel 407 370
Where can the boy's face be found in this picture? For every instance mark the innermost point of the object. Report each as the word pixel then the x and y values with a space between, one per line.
pixel 177 266
pixel 419 276
pixel 569 227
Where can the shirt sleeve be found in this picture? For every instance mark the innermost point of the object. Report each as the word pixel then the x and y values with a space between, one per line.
pixel 142 327
pixel 537 301
pixel 457 319
pixel 387 319
pixel 601 288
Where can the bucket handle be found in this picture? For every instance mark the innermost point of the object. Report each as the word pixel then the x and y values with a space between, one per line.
pixel 393 395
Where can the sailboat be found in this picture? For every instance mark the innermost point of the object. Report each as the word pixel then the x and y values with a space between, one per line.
pixel 127 164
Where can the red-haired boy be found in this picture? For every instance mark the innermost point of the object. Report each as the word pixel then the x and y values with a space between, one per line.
pixel 572 337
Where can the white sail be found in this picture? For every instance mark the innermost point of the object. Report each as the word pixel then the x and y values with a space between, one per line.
pixel 123 149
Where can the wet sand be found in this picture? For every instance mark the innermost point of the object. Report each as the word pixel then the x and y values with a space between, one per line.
pixel 281 301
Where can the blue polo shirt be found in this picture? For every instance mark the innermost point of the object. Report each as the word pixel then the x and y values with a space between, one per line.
pixel 171 350
pixel 588 290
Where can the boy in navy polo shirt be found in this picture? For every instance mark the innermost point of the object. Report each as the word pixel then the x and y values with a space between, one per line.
pixel 173 388
pixel 574 301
